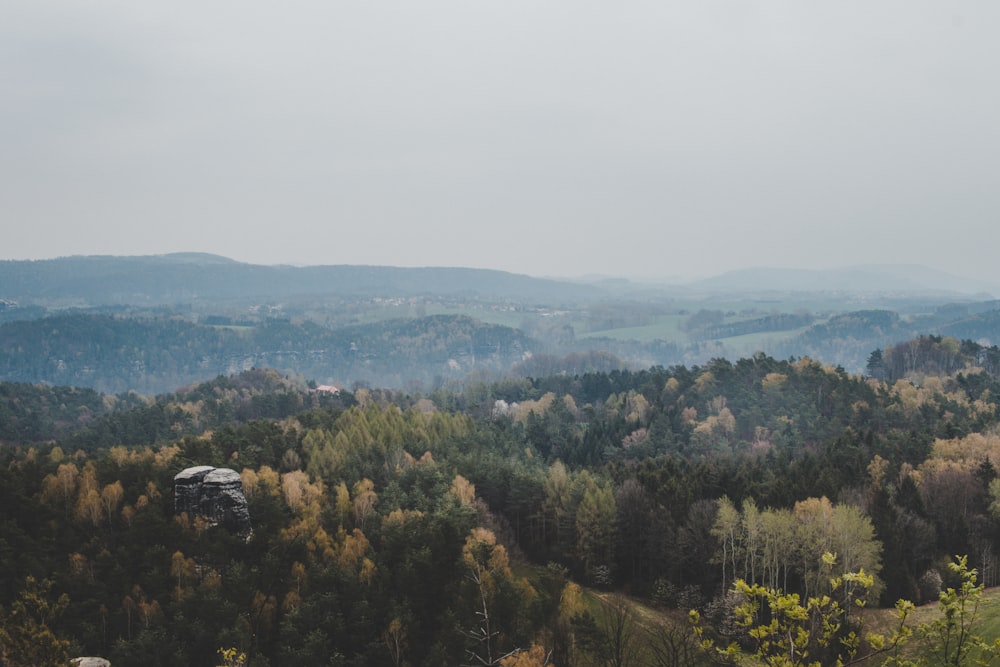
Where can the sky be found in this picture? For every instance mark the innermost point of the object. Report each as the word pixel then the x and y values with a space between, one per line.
pixel 659 139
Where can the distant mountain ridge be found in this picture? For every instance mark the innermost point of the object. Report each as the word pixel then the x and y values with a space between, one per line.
pixel 188 277
pixel 873 278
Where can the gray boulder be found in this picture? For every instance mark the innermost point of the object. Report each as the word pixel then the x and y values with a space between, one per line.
pixel 215 494
pixel 89 662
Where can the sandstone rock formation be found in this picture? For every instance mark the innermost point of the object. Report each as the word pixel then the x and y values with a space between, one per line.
pixel 215 494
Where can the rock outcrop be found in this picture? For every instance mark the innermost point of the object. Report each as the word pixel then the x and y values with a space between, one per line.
pixel 187 490
pixel 215 494
pixel 89 662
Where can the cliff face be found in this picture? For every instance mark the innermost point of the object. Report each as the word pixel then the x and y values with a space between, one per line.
pixel 215 494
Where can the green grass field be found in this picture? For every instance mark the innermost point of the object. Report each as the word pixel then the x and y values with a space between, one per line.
pixel 666 327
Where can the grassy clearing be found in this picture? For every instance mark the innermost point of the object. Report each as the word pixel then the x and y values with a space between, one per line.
pixel 667 630
pixel 667 328
pixel 749 344
pixel 884 621
pixel 990 623
pixel 656 637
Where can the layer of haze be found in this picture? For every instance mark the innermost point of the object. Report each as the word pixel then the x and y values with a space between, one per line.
pixel 641 139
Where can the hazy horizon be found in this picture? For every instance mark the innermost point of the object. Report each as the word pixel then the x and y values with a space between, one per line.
pixel 652 141
pixel 850 278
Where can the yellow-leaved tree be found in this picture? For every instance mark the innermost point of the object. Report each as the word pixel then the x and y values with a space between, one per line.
pixel 26 638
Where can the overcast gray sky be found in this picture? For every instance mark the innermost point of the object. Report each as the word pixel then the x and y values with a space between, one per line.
pixel 640 139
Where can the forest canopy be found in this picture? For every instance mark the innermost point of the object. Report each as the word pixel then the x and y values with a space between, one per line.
pixel 466 526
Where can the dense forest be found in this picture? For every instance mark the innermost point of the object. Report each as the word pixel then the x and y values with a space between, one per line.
pixel 157 353
pixel 469 525
pixel 152 355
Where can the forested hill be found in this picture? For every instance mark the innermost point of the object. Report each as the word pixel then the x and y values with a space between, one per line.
pixel 158 355
pixel 193 277
pixel 154 323
pixel 384 521
pixel 84 418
